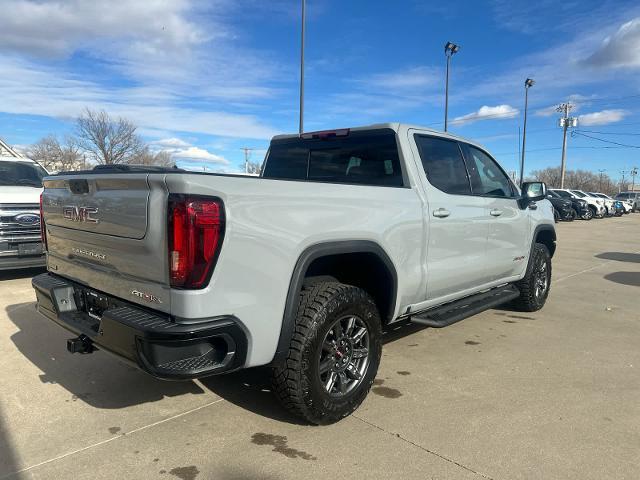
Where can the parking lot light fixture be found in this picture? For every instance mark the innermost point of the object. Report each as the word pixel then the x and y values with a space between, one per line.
pixel 528 83
pixel 450 49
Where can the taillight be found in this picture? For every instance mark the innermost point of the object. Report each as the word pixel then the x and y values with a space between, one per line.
pixel 196 228
pixel 43 230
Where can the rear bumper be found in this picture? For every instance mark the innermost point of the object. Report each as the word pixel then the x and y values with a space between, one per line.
pixel 152 341
pixel 14 263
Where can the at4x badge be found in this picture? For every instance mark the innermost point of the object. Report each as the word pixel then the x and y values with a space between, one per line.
pixel 149 297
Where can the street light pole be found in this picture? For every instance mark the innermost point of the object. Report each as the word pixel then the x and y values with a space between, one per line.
pixel 301 124
pixel 633 172
pixel 449 50
pixel 528 83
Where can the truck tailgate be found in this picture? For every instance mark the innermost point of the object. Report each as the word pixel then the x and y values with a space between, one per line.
pixel 109 231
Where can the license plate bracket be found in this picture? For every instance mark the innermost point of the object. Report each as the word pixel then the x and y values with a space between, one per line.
pixel 28 249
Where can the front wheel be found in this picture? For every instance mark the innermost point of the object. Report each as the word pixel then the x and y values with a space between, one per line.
pixel 588 214
pixel 334 353
pixel 574 214
pixel 534 287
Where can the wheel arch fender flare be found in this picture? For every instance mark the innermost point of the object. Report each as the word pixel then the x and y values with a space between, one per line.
pixel 546 233
pixel 306 258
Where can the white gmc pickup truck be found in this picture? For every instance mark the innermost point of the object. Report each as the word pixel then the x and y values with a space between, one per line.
pixel 345 233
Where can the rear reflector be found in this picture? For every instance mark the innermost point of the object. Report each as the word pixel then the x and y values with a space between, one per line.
pixel 196 228
pixel 43 230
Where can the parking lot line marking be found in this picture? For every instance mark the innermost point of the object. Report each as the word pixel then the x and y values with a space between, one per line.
pixel 111 439
pixel 439 455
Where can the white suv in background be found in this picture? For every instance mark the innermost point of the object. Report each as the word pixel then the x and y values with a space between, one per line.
pixel 596 205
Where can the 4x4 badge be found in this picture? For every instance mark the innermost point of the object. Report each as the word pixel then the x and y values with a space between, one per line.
pixel 149 297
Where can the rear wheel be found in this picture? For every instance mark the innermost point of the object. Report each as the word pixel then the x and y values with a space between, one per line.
pixel 334 353
pixel 534 287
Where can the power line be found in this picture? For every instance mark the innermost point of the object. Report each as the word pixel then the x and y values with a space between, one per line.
pixel 605 141
pixel 610 133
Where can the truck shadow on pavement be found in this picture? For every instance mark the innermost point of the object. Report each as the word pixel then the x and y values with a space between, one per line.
pixel 97 379
pixel 8 463
pixel 620 256
pixel 250 389
pixel 625 278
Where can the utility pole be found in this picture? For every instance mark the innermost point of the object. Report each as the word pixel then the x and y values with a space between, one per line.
pixel 622 181
pixel 565 122
pixel 634 172
pixel 600 182
pixel 247 154
pixel 301 124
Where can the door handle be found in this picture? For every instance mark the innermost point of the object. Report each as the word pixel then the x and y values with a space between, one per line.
pixel 441 213
pixel 495 212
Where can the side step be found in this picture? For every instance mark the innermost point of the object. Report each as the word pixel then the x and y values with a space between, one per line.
pixel 457 310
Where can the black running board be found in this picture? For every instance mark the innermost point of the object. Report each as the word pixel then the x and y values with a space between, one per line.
pixel 457 310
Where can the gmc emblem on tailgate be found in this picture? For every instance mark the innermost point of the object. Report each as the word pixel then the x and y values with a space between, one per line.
pixel 80 214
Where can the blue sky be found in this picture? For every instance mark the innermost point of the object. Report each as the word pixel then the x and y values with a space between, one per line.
pixel 203 79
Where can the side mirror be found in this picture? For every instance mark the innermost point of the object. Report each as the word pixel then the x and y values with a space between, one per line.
pixel 532 192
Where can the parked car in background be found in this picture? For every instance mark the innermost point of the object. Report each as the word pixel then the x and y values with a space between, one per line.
pixel 595 204
pixel 632 198
pixel 20 189
pixel 608 202
pixel 615 207
pixel 562 207
pixel 580 205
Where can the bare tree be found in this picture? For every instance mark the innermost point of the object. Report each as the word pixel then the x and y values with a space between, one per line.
pixel 56 156
pixel 254 167
pixel 577 179
pixel 147 157
pixel 106 140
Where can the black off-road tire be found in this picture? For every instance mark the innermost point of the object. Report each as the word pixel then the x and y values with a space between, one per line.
pixel 531 298
pixel 296 381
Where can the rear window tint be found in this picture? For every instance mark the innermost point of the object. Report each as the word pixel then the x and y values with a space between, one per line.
pixel 443 164
pixel 362 157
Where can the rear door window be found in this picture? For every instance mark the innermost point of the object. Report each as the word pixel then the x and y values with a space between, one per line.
pixel 361 157
pixel 443 164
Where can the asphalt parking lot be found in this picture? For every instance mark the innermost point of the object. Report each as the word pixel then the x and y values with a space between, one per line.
pixel 502 395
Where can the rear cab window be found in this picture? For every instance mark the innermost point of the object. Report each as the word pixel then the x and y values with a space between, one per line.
pixel 364 157
pixel 443 164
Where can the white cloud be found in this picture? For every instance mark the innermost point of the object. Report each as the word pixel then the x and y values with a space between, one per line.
pixel 485 112
pixel 197 154
pixel 29 88
pixel 53 28
pixel 603 117
pixel 171 143
pixel 622 49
